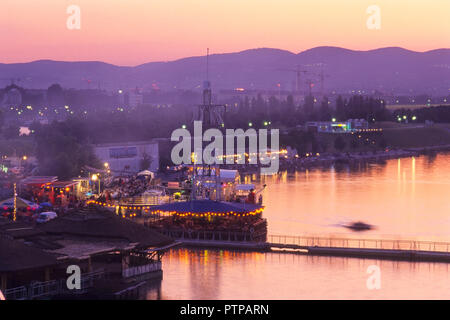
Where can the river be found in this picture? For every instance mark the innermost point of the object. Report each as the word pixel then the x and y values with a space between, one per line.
pixel 405 198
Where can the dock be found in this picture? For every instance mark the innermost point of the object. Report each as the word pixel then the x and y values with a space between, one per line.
pixel 407 250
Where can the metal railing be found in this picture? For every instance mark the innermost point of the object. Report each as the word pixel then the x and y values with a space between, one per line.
pixel 412 245
pixel 139 270
pixel 19 293
pixel 38 290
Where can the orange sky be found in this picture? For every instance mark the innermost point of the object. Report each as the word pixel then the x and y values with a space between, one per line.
pixel 130 32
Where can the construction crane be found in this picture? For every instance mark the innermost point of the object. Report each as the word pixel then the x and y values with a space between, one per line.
pixel 88 81
pixel 322 77
pixel 310 84
pixel 298 73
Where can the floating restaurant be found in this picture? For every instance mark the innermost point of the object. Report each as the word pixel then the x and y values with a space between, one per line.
pixel 34 259
pixel 210 220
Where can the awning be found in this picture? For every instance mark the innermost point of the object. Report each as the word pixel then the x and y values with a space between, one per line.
pixel 146 173
pixel 39 180
pixel 20 203
pixel 63 184
pixel 245 187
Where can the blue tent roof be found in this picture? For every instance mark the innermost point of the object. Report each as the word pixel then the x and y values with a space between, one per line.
pixel 205 206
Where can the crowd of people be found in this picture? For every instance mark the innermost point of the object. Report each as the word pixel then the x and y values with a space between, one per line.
pixel 238 224
pixel 125 187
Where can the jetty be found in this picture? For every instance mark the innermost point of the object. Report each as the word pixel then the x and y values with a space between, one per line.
pixel 408 250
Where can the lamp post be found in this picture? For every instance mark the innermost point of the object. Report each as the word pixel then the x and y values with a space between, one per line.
pixel 108 169
pixel 15 202
pixel 95 178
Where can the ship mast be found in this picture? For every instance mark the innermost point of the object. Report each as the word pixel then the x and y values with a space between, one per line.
pixel 211 116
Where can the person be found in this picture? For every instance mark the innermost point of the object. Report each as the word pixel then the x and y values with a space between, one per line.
pixel 251 196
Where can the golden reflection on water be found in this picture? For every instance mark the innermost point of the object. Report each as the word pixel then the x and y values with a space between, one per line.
pixel 403 198
pixel 216 274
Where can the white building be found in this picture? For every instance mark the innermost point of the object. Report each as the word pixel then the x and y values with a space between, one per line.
pixel 127 157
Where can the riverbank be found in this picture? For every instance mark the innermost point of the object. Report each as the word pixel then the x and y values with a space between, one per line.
pixel 350 158
pixel 358 157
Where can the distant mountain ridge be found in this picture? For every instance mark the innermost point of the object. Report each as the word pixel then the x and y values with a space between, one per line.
pixel 388 70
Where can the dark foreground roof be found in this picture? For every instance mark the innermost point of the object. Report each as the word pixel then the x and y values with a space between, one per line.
pixel 16 256
pixel 205 206
pixel 104 225
pixel 17 229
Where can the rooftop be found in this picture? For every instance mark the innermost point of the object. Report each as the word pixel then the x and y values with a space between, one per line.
pixel 103 225
pixel 16 256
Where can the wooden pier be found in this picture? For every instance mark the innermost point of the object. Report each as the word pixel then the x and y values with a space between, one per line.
pixel 409 250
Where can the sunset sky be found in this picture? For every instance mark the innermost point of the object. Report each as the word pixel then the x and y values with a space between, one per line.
pixel 131 32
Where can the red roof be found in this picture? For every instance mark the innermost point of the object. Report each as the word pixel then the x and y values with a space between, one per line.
pixel 39 180
pixel 63 184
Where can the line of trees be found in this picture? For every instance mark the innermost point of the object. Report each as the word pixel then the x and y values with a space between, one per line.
pixel 287 113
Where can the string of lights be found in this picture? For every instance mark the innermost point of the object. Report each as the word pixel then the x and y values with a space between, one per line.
pixel 180 214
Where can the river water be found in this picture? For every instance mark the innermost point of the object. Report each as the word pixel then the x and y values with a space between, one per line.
pixel 404 198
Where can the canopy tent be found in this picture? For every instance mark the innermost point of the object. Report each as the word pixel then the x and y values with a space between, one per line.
pixel 39 180
pixel 20 203
pixel 45 204
pixel 63 184
pixel 146 173
pixel 226 175
pixel 245 187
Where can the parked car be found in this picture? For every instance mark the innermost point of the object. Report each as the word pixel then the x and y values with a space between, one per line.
pixel 46 216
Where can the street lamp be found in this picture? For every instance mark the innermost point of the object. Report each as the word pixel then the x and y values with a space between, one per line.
pixel 15 202
pixel 95 178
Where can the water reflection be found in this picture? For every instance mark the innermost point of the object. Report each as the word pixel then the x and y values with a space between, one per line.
pixel 405 198
pixel 215 274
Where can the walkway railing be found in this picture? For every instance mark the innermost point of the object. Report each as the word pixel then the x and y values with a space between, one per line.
pixel 39 290
pixel 332 242
pixel 136 271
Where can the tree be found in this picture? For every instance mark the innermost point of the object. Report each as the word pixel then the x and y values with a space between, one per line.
pixel 382 143
pixel 11 132
pixel 145 162
pixel 63 149
pixel 324 112
pixel 339 144
pixel 340 109
pixel 309 105
pixel 354 143
pixel 2 120
pixel 55 95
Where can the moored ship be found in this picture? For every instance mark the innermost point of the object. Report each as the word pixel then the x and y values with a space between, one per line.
pixel 209 220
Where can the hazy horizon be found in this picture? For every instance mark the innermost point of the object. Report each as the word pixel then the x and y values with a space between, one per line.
pixel 221 53
pixel 137 32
